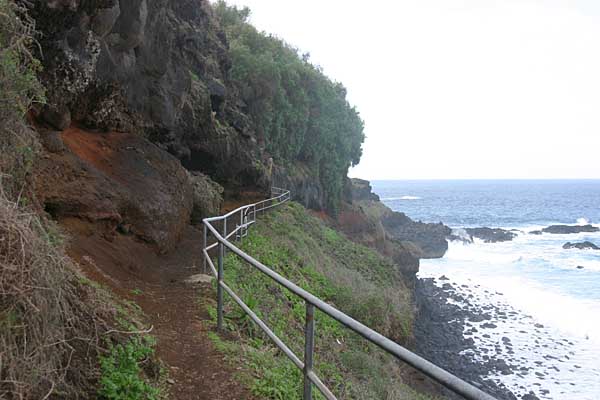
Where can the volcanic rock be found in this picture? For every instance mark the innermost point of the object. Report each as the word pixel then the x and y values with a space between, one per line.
pixel 567 229
pixel 581 245
pixel 491 235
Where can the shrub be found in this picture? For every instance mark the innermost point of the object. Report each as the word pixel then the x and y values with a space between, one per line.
pixel 19 86
pixel 19 89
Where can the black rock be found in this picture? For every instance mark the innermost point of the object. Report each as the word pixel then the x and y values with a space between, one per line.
pixel 567 229
pixel 535 232
pixel 489 235
pixel 440 326
pixel 57 117
pixel 429 237
pixel 581 245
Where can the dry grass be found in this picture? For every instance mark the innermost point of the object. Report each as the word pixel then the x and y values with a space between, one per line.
pixel 51 323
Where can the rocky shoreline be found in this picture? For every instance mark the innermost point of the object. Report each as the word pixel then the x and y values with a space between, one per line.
pixel 474 340
pixel 439 327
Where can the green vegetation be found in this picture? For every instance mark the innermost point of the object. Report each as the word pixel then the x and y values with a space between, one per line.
pixel 19 86
pixel 19 89
pixel 128 368
pixel 351 277
pixel 298 111
pixel 122 373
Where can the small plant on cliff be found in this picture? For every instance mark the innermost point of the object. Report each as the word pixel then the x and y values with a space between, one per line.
pixel 122 373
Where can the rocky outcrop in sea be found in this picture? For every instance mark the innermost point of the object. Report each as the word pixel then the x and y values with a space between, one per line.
pixel 581 246
pixel 569 229
pixel 491 235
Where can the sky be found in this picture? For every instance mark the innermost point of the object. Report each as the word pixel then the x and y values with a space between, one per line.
pixel 458 89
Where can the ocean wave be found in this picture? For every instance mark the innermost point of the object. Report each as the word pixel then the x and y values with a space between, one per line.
pixel 569 314
pixel 583 221
pixel 401 198
pixel 462 235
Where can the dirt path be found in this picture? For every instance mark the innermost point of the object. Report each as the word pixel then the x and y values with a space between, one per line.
pixel 199 371
pixel 157 283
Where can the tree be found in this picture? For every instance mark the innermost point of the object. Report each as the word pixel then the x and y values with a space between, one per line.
pixel 298 111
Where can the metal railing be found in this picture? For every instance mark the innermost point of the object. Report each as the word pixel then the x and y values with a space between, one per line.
pixel 243 218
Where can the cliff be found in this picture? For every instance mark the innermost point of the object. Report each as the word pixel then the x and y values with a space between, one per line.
pixel 165 71
pixel 365 219
pixel 157 69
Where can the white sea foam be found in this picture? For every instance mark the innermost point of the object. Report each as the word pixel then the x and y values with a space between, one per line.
pixel 582 221
pixel 462 234
pixel 401 198
pixel 534 276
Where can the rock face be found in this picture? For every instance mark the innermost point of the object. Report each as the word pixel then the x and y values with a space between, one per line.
pixel 160 69
pixel 303 188
pixel 582 246
pixel 426 240
pixel 119 183
pixel 155 68
pixel 567 229
pixel 207 197
pixel 359 190
pixel 368 221
pixel 430 238
pixel 491 235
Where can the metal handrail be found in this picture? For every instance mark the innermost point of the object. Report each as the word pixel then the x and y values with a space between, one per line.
pixel 247 217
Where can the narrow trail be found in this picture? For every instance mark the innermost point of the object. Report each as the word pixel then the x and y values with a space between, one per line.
pixel 173 307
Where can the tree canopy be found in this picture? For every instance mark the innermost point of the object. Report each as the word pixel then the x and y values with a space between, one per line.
pixel 301 114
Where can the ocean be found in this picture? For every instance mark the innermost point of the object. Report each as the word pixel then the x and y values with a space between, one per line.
pixel 551 294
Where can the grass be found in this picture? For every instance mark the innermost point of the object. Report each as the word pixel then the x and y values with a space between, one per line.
pixel 349 276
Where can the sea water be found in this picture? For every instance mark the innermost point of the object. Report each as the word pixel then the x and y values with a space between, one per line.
pixel 555 292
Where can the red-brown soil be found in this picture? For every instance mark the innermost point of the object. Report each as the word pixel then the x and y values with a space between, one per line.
pixel 245 197
pixel 125 205
pixel 117 180
pixel 174 308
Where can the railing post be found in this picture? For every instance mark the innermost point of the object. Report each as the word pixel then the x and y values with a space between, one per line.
pixel 205 245
pixel 220 289
pixel 224 229
pixel 309 345
pixel 241 224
